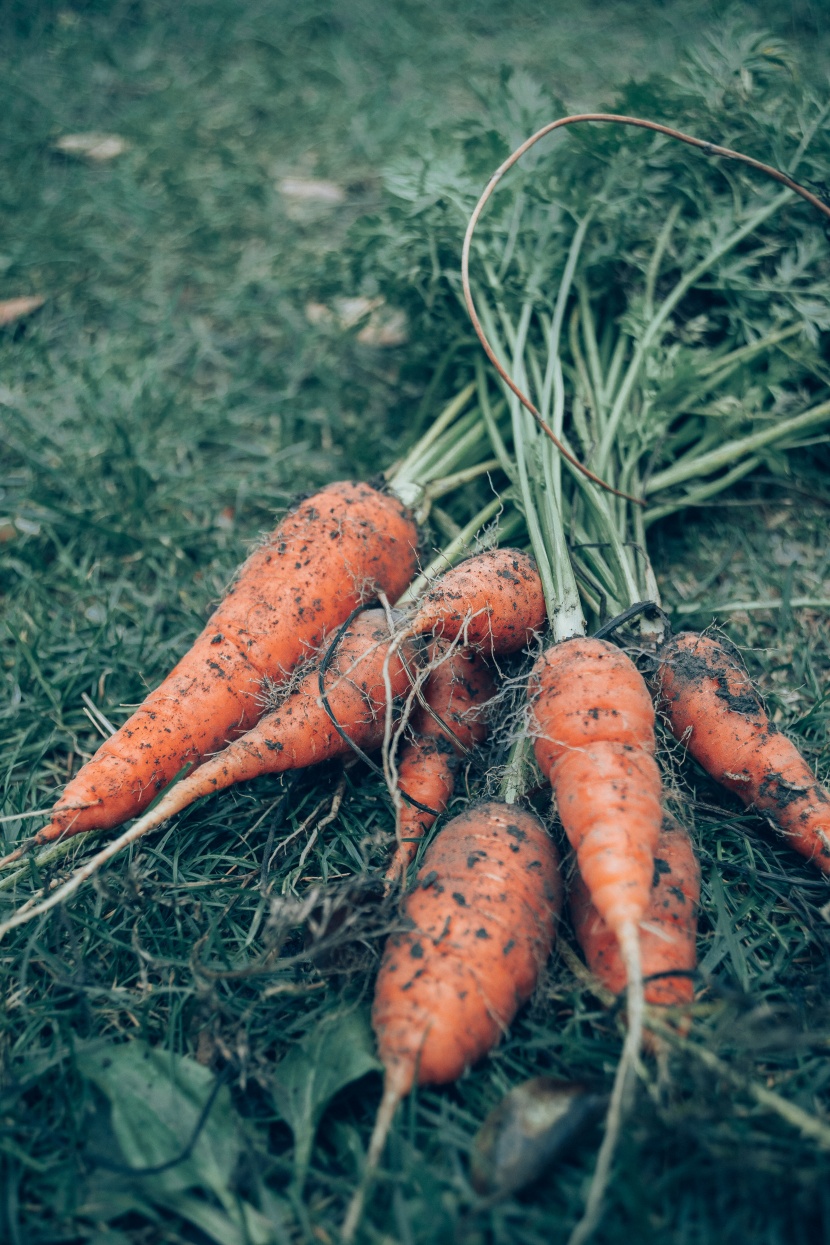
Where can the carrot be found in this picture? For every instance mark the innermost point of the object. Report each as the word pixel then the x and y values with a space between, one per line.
pixel 711 706
pixel 593 722
pixel 299 733
pixel 483 914
pixel 667 932
pixel 457 691
pixel 326 556
pixel 493 601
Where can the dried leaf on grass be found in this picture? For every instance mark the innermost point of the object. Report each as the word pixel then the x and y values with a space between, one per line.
pixel 92 146
pixel 534 1124
pixel 312 190
pixel 12 309
pixel 385 326
pixel 307 200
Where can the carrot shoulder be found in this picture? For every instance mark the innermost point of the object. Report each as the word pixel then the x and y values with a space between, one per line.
pixel 712 707
pixel 326 556
pixel 493 601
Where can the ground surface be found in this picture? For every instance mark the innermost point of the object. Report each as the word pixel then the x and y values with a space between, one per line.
pixel 169 397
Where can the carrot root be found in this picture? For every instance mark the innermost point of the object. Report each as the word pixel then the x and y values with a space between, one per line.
pixel 667 932
pixel 327 556
pixel 451 720
pixel 711 706
pixel 393 1092
pixel 298 734
pixel 593 722
pixel 481 923
pixel 493 601
pixel 622 1091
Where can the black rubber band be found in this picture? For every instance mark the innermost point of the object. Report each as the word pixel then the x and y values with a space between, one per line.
pixel 649 608
pixel 124 1169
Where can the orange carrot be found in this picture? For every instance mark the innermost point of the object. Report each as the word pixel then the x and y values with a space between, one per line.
pixel 493 601
pixel 327 555
pixel 593 722
pixel 458 690
pixel 483 916
pixel 711 706
pixel 299 733
pixel 667 932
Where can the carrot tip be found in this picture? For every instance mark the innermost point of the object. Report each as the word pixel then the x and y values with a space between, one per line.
pixel 15 855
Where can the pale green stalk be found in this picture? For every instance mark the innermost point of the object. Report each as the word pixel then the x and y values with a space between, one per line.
pixel 652 330
pixel 696 465
pixel 461 546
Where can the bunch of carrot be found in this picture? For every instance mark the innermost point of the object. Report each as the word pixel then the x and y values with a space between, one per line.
pixel 485 902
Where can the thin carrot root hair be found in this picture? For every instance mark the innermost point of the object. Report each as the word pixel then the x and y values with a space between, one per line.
pixel 395 730
pixel 450 720
pixel 394 1090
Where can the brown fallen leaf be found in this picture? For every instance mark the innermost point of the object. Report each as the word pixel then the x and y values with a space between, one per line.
pixel 12 309
pixel 318 313
pixel 384 326
pixel 92 146
pixel 534 1125
pixel 312 190
pixel 387 328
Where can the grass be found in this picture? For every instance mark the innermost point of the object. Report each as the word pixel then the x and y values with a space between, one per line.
pixel 168 399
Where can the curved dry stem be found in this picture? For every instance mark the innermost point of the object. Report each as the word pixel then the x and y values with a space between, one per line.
pixel 629 940
pixel 390 769
pixel 392 742
pixel 709 149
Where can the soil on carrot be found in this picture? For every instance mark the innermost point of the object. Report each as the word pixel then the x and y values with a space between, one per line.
pixel 202 355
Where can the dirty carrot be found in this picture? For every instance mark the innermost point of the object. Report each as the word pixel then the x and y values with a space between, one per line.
pixel 483 915
pixel 328 554
pixel 593 725
pixel 457 692
pixel 297 734
pixel 493 601
pixel 667 931
pixel 712 707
